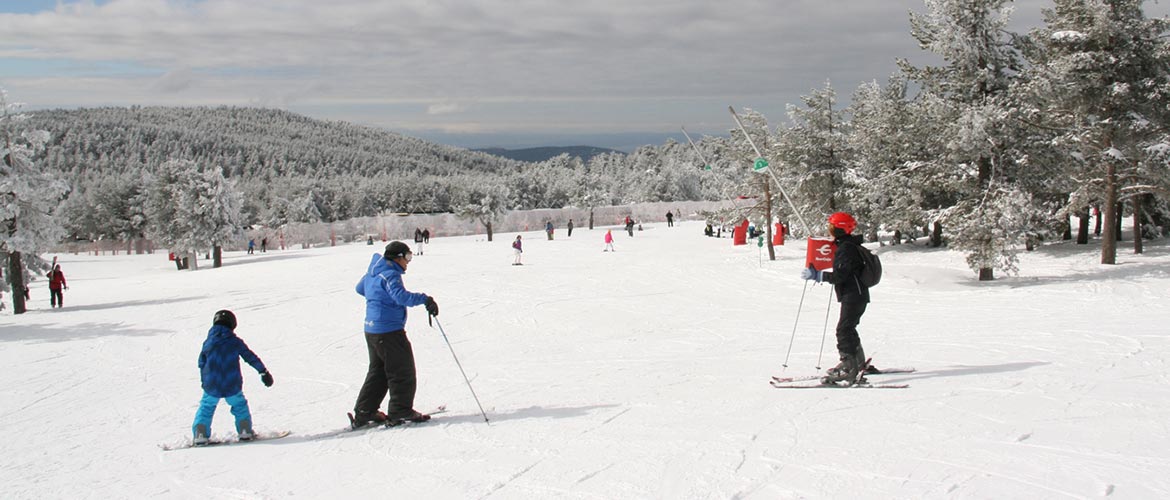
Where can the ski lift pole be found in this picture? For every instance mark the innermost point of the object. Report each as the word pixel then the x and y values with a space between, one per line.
pixel 779 186
pixel 460 365
pixel 706 164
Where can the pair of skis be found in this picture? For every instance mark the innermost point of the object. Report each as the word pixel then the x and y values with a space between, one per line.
pixel 816 382
pixel 384 423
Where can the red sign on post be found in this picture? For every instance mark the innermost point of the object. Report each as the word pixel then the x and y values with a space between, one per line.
pixel 820 253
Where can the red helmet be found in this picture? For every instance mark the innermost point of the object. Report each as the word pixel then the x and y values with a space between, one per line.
pixel 844 221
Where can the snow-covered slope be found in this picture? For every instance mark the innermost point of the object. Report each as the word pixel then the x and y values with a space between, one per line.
pixel 635 374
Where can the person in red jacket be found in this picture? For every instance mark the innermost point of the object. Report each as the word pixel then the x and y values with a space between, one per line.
pixel 56 284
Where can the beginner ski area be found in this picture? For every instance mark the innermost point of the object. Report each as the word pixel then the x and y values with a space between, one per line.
pixel 640 373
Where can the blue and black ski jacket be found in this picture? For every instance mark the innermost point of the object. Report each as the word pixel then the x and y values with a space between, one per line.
pixel 386 297
pixel 219 362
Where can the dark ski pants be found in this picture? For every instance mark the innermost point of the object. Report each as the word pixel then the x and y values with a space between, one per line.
pixel 391 369
pixel 847 339
pixel 56 299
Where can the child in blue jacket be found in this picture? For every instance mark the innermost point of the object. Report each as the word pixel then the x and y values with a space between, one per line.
pixel 219 370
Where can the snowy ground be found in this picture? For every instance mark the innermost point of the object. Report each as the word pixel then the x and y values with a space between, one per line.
pixel 635 374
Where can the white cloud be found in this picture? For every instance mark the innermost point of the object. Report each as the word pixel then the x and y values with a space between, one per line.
pixel 174 81
pixel 437 54
pixel 443 108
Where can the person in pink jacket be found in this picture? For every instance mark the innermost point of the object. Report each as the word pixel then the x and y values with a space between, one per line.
pixel 517 249
pixel 609 241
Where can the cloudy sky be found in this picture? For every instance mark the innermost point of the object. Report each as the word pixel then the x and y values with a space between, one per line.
pixel 464 72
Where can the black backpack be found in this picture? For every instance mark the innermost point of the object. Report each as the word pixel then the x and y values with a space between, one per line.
pixel 871 272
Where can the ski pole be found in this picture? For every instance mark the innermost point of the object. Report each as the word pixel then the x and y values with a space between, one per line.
pixel 825 331
pixel 796 322
pixel 460 365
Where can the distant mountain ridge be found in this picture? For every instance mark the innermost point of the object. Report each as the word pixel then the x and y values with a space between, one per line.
pixel 537 155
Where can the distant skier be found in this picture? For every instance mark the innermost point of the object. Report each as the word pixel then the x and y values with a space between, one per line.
pixel 517 249
pixel 264 244
pixel 569 226
pixel 609 241
pixel 391 367
pixel 56 284
pixel 418 240
pixel 219 371
pixel 426 236
pixel 251 246
pixel 630 225
pixel 548 228
pixel 669 219
pixel 851 293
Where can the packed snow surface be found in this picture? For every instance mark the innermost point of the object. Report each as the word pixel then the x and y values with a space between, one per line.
pixel 640 373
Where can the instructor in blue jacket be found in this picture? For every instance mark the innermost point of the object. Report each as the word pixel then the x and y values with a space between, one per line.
pixel 391 357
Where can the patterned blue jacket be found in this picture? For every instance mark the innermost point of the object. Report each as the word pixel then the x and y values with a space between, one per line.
pixel 219 363
pixel 386 297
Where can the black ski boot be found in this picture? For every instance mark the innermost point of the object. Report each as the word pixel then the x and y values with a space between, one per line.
pixel 848 370
pixel 408 416
pixel 359 420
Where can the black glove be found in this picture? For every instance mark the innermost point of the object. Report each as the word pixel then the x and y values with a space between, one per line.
pixel 432 306
pixel 266 378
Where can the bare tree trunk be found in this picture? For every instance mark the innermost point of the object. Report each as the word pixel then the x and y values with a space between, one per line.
pixel 1083 227
pixel 936 235
pixel 986 274
pixel 217 256
pixel 1118 217
pixel 590 218
pixel 16 279
pixel 1137 223
pixel 488 225
pixel 1109 237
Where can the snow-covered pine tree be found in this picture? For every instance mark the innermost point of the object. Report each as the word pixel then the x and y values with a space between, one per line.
pixel 815 152
pixel 885 142
pixel 597 189
pixel 971 93
pixel 484 203
pixel 28 196
pixel 192 210
pixel 214 205
pixel 1100 76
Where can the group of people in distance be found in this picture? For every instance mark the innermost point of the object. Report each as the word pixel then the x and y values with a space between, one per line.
pixel 391 369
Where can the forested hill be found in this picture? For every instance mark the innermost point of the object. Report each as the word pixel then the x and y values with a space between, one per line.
pixel 536 155
pixel 288 168
pixel 246 142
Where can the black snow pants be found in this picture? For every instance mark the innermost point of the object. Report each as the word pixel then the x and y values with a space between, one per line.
pixel 847 338
pixel 391 369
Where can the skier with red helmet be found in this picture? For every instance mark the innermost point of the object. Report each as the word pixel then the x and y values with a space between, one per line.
pixel 851 293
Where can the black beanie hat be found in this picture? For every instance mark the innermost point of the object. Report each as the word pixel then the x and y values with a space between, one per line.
pixel 395 250
pixel 226 318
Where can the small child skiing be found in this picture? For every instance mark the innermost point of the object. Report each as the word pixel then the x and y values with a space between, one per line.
pixel 609 241
pixel 219 371
pixel 517 248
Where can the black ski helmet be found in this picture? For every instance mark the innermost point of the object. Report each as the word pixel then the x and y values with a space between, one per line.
pixel 226 318
pixel 395 250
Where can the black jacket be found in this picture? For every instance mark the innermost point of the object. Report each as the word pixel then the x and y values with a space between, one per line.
pixel 847 266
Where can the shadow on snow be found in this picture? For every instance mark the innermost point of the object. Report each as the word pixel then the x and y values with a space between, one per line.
pixel 41 333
